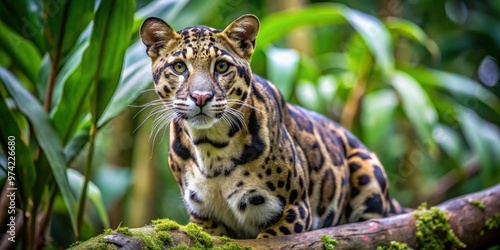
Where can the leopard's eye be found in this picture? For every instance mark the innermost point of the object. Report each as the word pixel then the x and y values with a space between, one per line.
pixel 179 67
pixel 221 66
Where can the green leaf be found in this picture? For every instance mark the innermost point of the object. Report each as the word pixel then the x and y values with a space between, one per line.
pixel 43 76
pixel 332 60
pixel 113 23
pixel 484 139
pixel 74 80
pixel 24 165
pixel 327 88
pixel 79 140
pixel 72 63
pixel 373 32
pixel 136 77
pixel 24 54
pixel 450 141
pixel 277 25
pixel 63 24
pixel 113 188
pixel 100 66
pixel 307 95
pixel 167 10
pixel 417 106
pixel 411 30
pixel 76 180
pixel 45 135
pixel 22 16
pixel 465 90
pixel 195 12
pixel 282 68
pixel 375 36
pixel 377 116
pixel 357 57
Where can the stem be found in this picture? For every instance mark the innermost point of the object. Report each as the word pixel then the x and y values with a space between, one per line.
pixel 351 108
pixel 4 205
pixel 5 216
pixel 92 133
pixel 44 221
pixel 5 243
pixel 51 82
pixel 32 227
pixel 88 173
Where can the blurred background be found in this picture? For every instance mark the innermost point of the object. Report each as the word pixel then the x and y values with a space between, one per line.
pixel 416 81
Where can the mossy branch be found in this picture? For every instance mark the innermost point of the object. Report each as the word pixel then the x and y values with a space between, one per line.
pixel 454 224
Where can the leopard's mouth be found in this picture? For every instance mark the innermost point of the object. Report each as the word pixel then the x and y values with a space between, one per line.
pixel 201 121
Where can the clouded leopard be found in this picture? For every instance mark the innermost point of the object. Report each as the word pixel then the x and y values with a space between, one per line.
pixel 248 163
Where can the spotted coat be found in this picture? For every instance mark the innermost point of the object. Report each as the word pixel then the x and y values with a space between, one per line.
pixel 249 164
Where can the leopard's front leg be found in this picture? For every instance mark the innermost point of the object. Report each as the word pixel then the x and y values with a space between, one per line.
pixel 208 225
pixel 294 219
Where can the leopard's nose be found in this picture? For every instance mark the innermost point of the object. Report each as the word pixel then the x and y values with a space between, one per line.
pixel 201 98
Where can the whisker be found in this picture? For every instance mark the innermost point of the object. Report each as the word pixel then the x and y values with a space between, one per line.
pixel 242 103
pixel 151 103
pixel 233 114
pixel 154 111
pixel 147 90
pixel 157 107
pixel 158 123
pixel 237 113
pixel 163 125
pixel 232 122
pixel 157 103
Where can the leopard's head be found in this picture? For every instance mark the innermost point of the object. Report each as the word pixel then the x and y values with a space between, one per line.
pixel 202 74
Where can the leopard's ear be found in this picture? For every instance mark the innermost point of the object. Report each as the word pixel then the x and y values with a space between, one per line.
pixel 241 33
pixel 156 33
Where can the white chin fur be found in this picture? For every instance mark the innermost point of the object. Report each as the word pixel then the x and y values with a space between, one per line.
pixel 201 122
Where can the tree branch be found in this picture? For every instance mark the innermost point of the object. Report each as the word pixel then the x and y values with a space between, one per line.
pixel 466 216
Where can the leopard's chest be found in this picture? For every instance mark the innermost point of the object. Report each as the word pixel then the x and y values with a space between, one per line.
pixel 241 204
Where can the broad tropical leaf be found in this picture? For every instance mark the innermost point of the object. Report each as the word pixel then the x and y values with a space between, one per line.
pixel 76 180
pixel 29 60
pixel 281 68
pixel 23 158
pixel 45 135
pixel 417 106
pixel 113 23
pixel 64 21
pixel 373 32
pixel 377 114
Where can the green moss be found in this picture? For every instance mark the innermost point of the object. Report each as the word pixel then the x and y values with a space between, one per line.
pixel 328 242
pixel 102 244
pixel 394 245
pixel 224 238
pixel 165 225
pixel 124 230
pixel 162 239
pixel 229 245
pixel 76 244
pixel 492 223
pixel 433 230
pixel 181 246
pixel 151 241
pixel 478 203
pixel 165 237
pixel 195 232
